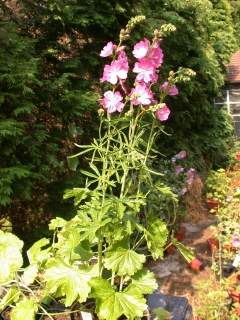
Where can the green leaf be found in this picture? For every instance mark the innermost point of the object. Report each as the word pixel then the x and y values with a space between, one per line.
pixel 10 256
pixel 156 236
pixel 187 254
pixel 161 314
pixel 25 309
pixel 124 261
pixel 143 282
pixel 29 274
pixel 89 174
pixel 36 254
pixel 79 194
pixel 72 163
pixel 111 305
pixel 67 281
pixel 10 297
pixel 70 245
pixel 57 223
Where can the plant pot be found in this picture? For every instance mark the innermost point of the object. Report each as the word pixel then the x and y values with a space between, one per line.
pixel 213 204
pixel 213 244
pixel 234 294
pixel 195 265
pixel 178 307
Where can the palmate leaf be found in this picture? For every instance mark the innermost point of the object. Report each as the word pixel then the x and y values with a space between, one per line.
pixel 25 309
pixel 63 280
pixel 111 305
pixel 71 247
pixel 29 275
pixel 57 223
pixel 161 314
pixel 156 236
pixel 79 194
pixel 10 255
pixel 11 296
pixel 36 254
pixel 124 261
pixel 143 282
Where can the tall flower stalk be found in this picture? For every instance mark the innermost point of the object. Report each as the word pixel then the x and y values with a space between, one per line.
pixel 96 257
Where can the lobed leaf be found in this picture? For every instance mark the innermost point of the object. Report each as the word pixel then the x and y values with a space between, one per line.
pixel 63 280
pixel 124 261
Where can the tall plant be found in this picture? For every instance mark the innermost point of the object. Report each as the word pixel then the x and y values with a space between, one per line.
pixel 99 254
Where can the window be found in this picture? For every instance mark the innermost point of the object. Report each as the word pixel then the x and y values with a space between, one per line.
pixel 231 99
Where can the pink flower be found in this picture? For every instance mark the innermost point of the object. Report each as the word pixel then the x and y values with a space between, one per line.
pixel 156 56
pixel 112 101
pixel 146 71
pixel 163 113
pixel 178 170
pixel 141 48
pixel 183 191
pixel 172 90
pixel 235 240
pixel 122 57
pixel 107 50
pixel 141 94
pixel 117 70
pixel 181 155
pixel 190 176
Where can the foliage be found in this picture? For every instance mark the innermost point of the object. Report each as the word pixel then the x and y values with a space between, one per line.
pixel 49 88
pixel 217 185
pixel 48 96
pixel 197 127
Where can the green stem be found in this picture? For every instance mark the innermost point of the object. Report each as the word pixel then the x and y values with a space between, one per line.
pixel 139 241
pixel 121 284
pixel 150 141
pixel 100 257
pixel 112 278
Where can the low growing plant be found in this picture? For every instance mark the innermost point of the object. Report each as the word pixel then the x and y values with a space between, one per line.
pixel 95 261
pixel 217 185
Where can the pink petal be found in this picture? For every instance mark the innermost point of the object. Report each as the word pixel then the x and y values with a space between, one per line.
pixel 107 50
pixel 141 48
pixel 163 113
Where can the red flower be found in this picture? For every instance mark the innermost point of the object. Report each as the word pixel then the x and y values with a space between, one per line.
pixel 195 264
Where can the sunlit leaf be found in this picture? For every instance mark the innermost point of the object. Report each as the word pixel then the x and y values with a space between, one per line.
pixel 29 274
pixel 25 309
pixel 67 281
pixel 36 254
pixel 111 305
pixel 10 256
pixel 156 236
pixel 144 282
pixel 124 261
pixel 11 296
